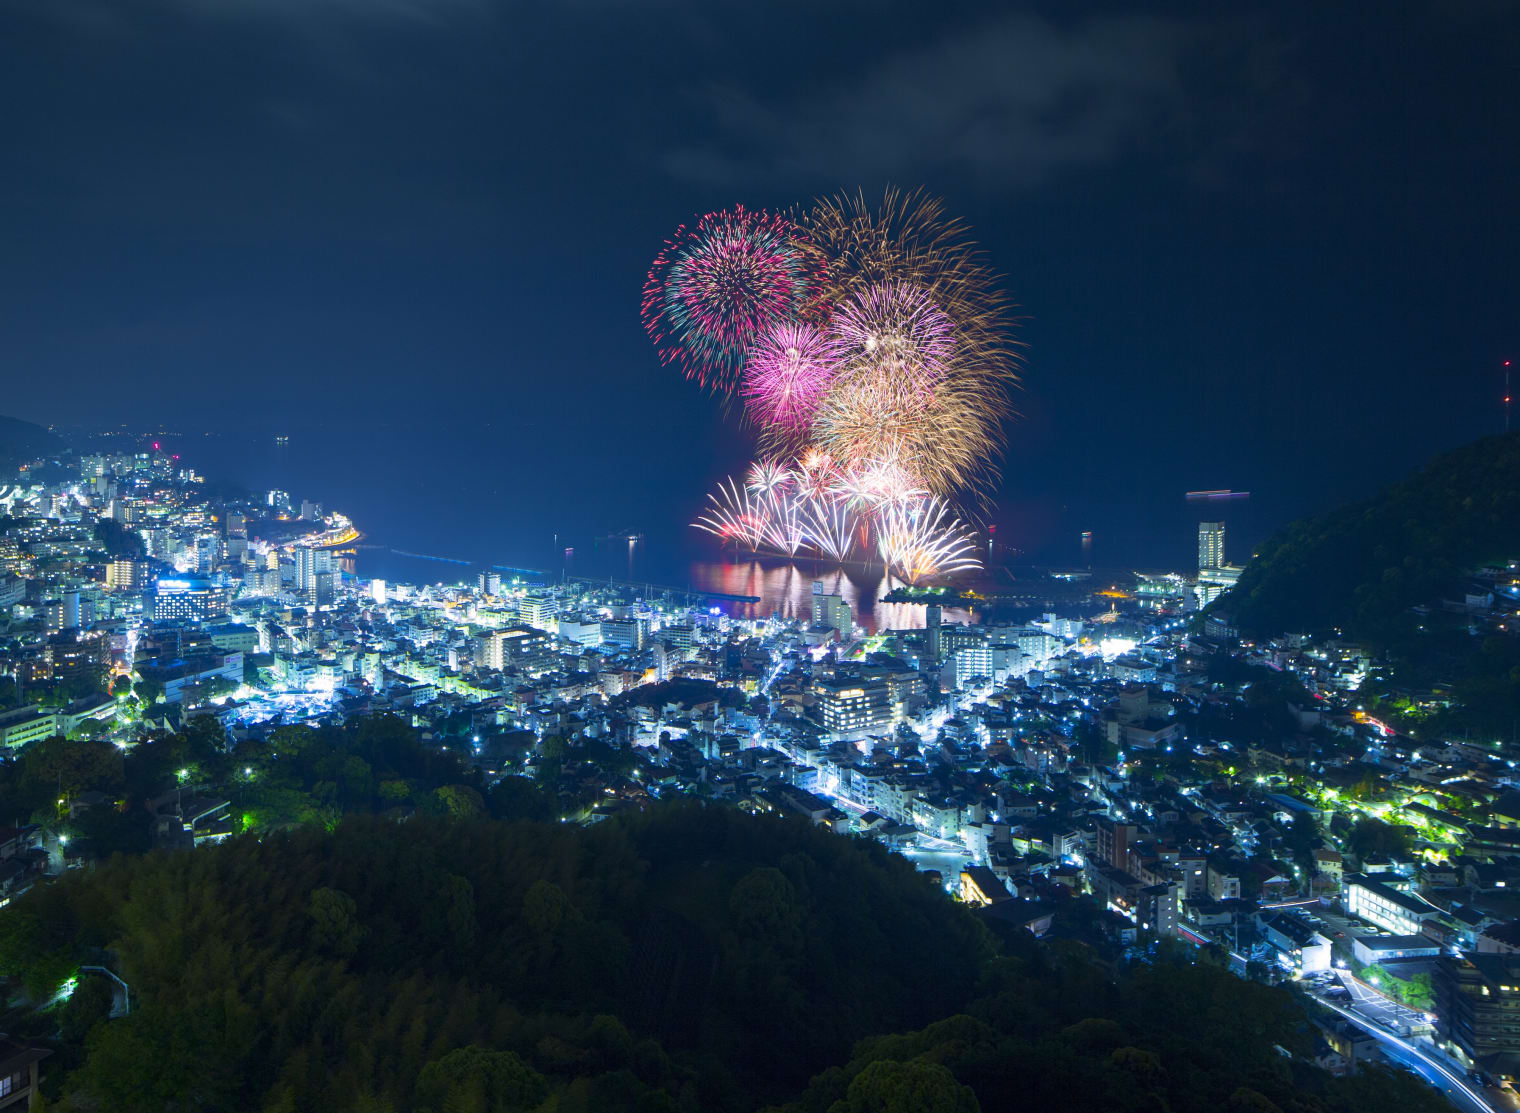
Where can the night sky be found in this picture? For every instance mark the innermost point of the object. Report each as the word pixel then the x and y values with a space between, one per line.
pixel 1270 247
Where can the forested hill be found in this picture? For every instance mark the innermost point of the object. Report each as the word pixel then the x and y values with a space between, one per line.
pixel 1359 568
pixel 687 960
pixel 21 441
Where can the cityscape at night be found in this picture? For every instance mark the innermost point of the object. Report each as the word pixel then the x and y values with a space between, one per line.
pixel 805 558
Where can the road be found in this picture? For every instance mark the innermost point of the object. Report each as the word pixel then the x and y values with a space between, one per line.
pixel 1380 1009
pixel 1448 1079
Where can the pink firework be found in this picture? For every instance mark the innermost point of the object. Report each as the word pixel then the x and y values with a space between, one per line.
pixel 786 374
pixel 895 334
pixel 714 289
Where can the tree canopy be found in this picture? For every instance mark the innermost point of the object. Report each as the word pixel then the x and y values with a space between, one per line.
pixel 687 958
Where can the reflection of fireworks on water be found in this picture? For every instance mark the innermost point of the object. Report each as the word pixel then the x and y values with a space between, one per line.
pixel 717 287
pixel 923 538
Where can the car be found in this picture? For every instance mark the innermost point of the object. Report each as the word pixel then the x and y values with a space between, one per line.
pixel 1340 935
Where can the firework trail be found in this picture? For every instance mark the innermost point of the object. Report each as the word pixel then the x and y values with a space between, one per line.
pixel 923 538
pixel 735 515
pixel 786 521
pixel 830 525
pixel 714 289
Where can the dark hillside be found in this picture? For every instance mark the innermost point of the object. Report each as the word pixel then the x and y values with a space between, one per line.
pixel 1359 568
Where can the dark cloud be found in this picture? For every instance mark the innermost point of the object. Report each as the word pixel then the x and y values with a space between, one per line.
pixel 1014 101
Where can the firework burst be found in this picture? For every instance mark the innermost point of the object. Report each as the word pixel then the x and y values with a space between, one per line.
pixel 951 436
pixel 714 289
pixel 894 334
pixel 767 476
pixel 870 344
pixel 786 373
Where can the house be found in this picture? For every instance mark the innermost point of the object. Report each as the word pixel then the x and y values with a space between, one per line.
pixel 1301 947
pixel 19 1073
pixel 180 822
pixel 981 887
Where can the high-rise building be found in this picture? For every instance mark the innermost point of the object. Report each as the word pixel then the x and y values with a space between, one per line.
pixel 377 591
pixel 309 564
pixel 934 632
pixel 1210 545
pixel 630 631
pixel 125 575
pixel 853 708
pixel 515 646
pixel 971 661
pixel 1477 998
pixel 541 611
pixel 831 611
pixel 186 598
pixel 490 583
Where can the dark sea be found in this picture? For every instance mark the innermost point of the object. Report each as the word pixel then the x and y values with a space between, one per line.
pixel 441 497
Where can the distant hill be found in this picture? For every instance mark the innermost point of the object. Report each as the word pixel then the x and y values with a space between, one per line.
pixel 1360 568
pixel 21 441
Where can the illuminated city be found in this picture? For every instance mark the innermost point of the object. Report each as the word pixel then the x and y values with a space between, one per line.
pixel 782 558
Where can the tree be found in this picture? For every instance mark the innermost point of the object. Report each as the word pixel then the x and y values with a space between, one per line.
pixel 912 1087
pixel 56 764
pixel 334 922
pixel 149 691
pixel 474 1078
pixel 1372 838
pixel 87 1006
pixel 519 798
pixel 459 801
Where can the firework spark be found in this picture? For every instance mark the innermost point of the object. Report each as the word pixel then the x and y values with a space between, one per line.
pixel 894 333
pixel 735 515
pixel 923 538
pixel 872 484
pixel 830 526
pixel 767 476
pixel 950 437
pixel 786 373
pixel 714 289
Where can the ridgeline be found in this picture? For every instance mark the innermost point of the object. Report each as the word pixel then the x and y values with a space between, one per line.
pixel 1360 568
pixel 21 441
